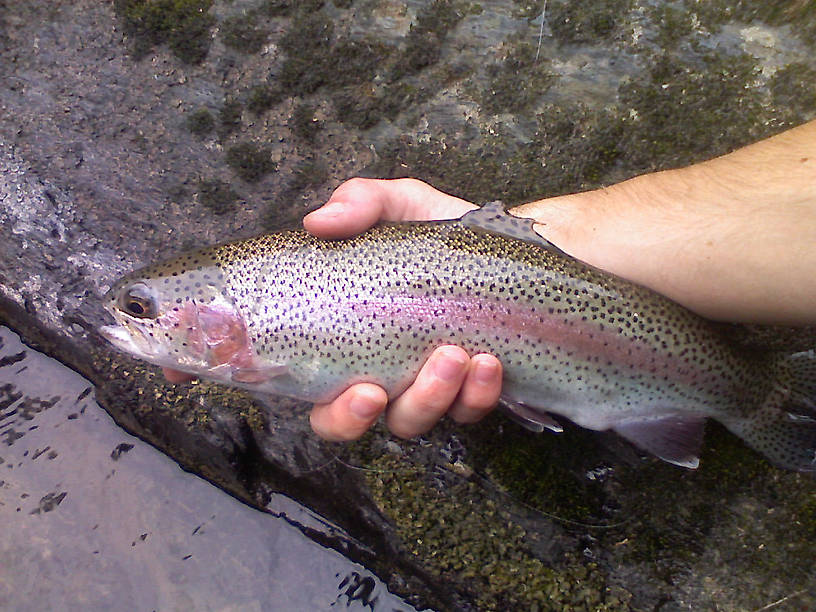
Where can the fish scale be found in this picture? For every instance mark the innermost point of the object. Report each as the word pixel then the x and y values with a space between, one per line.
pixel 291 314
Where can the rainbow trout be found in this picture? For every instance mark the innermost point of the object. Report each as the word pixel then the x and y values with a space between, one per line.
pixel 287 313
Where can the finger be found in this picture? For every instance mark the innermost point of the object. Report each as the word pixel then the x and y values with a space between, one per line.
pixel 359 203
pixel 411 199
pixel 432 393
pixel 354 206
pixel 174 376
pixel 350 415
pixel 480 391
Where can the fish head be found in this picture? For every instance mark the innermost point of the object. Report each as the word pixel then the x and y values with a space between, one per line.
pixel 179 315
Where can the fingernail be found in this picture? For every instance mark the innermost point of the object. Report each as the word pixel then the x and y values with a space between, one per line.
pixel 332 209
pixel 363 407
pixel 485 372
pixel 448 366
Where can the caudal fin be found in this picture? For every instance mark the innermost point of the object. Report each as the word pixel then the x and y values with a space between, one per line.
pixel 784 428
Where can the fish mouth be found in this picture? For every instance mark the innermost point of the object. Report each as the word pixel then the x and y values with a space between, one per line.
pixel 118 336
pixel 123 338
pixel 128 337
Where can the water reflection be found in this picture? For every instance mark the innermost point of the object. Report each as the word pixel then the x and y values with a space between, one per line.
pixel 94 519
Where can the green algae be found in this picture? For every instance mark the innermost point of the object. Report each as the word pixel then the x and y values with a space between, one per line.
pixel 229 116
pixel 466 518
pixel 528 9
pixel 793 88
pixel 673 24
pixel 423 45
pixel 316 57
pixel 303 123
pixel 309 172
pixel 279 8
pixel 682 113
pixel 250 161
pixel 217 196
pixel 183 25
pixel 546 472
pixel 241 33
pixel 146 390
pixel 307 46
pixel 263 97
pixel 175 416
pixel 200 122
pixel 581 21
pixel 463 536
pixel 518 82
pixel 364 106
pixel 573 147
pixel 798 13
pixel 736 506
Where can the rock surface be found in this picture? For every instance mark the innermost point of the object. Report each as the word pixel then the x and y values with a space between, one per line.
pixel 137 129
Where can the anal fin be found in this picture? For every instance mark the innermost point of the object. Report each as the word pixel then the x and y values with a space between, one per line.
pixel 676 439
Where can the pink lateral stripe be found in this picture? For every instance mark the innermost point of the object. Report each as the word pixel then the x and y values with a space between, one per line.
pixel 584 339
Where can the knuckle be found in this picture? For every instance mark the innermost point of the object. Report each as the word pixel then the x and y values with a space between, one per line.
pixel 355 182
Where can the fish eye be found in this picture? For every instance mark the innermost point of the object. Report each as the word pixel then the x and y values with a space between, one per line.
pixel 137 301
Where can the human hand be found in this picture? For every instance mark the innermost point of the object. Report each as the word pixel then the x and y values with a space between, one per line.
pixel 466 388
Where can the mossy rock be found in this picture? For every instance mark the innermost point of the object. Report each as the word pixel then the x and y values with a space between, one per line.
pixel 474 542
pixel 315 57
pixel 580 21
pixel 250 161
pixel 241 33
pixel 684 112
pixel 200 122
pixel 229 116
pixel 183 25
pixel 263 97
pixel 217 195
pixel 518 82
pixel 303 122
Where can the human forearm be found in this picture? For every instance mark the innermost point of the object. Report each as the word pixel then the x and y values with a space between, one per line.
pixel 733 238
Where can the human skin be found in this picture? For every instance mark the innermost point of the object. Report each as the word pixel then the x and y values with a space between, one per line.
pixel 732 238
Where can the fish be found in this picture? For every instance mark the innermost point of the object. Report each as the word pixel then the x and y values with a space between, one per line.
pixel 286 313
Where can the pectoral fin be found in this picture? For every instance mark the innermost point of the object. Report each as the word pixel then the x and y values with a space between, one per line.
pixel 676 439
pixel 529 418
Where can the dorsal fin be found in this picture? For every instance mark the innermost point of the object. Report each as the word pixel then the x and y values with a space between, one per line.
pixel 492 217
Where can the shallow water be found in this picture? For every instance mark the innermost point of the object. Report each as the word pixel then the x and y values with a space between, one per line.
pixel 95 519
